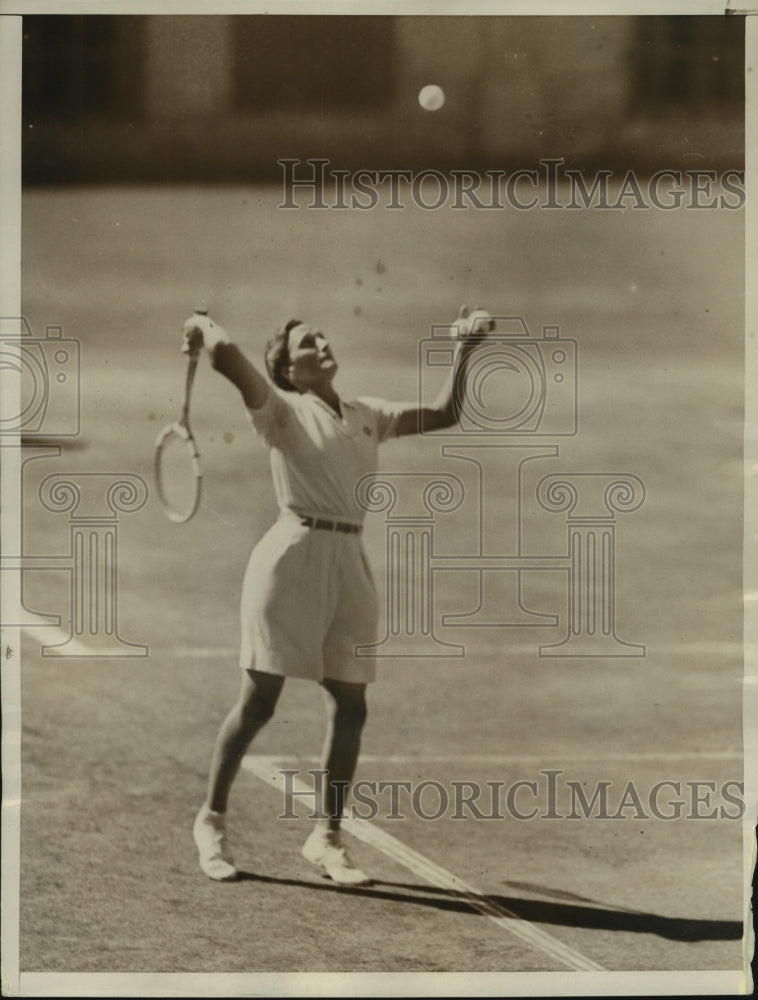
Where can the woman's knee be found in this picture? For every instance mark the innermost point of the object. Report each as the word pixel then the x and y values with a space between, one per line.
pixel 258 696
pixel 347 702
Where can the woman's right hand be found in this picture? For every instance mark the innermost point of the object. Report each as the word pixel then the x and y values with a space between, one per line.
pixel 472 325
pixel 200 331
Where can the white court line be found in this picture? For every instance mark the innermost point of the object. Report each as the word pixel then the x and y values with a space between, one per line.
pixel 545 759
pixel 53 635
pixel 201 652
pixel 531 649
pixel 267 769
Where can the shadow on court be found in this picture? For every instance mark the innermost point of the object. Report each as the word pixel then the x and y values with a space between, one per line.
pixel 594 917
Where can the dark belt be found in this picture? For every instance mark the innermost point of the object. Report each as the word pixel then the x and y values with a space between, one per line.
pixel 317 522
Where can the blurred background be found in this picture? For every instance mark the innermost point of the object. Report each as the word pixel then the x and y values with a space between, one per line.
pixel 173 98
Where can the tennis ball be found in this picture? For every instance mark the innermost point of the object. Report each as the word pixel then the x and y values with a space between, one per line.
pixel 431 97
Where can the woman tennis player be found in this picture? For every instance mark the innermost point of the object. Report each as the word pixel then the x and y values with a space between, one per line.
pixel 307 598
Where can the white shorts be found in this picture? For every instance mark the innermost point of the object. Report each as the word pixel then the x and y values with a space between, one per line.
pixel 308 600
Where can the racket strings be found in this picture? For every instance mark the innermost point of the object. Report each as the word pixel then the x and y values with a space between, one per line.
pixel 178 475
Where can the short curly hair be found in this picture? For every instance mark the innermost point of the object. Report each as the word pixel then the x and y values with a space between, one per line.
pixel 277 356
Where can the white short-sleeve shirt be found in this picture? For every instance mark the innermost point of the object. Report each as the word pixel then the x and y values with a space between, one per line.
pixel 318 457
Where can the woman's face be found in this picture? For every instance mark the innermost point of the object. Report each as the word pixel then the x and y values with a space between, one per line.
pixel 310 357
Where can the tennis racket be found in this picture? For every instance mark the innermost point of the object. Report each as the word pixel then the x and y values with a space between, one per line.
pixel 177 458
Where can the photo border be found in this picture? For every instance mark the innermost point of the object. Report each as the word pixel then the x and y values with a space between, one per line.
pixel 479 984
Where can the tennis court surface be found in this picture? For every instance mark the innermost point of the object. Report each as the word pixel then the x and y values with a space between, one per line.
pixel 493 858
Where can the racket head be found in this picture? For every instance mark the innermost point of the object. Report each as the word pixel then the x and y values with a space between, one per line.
pixel 177 472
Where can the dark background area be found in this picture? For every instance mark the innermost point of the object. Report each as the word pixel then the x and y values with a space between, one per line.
pixel 172 98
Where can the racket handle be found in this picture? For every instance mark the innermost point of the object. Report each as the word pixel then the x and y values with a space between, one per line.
pixel 195 343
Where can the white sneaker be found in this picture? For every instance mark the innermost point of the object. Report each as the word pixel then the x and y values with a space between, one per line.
pixel 209 832
pixel 323 848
